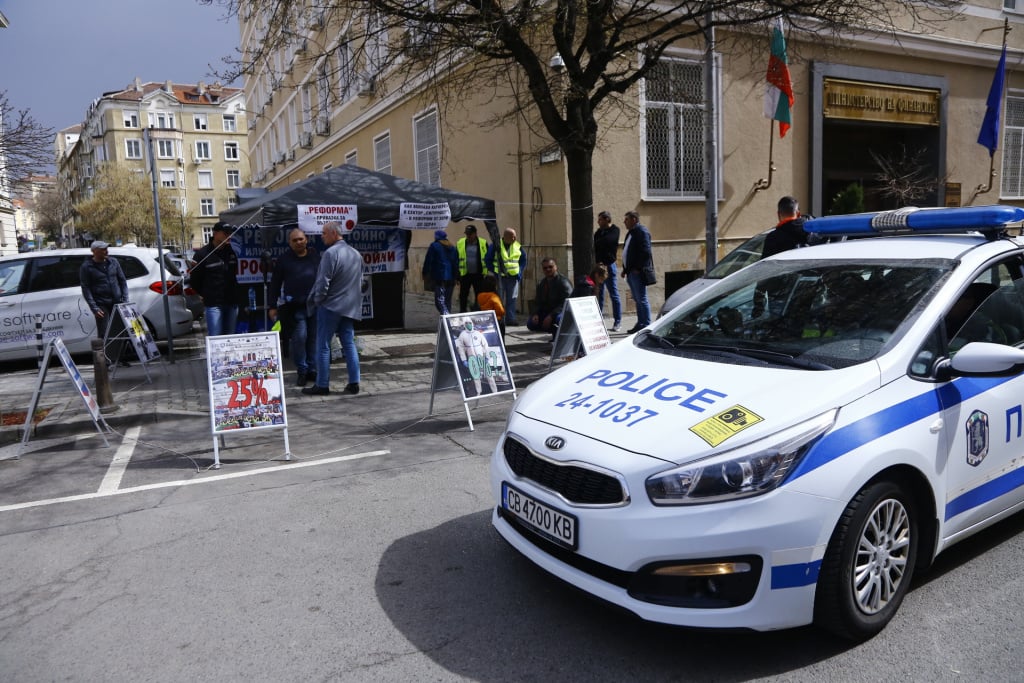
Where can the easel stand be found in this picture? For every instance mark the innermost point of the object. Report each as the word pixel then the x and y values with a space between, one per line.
pixel 246 387
pixel 135 331
pixel 580 332
pixel 57 345
pixel 470 355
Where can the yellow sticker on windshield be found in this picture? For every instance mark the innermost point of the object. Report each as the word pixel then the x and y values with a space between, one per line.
pixel 725 424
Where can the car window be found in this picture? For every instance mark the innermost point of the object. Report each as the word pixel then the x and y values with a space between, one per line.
pixel 739 258
pixel 54 272
pixel 991 309
pixel 131 266
pixel 814 314
pixel 11 275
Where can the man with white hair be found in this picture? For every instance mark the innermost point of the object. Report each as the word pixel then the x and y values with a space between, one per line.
pixel 338 299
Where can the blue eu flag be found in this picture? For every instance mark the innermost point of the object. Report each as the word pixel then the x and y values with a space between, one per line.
pixel 989 134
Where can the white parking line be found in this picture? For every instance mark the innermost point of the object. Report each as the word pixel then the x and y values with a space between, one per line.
pixel 189 482
pixel 112 479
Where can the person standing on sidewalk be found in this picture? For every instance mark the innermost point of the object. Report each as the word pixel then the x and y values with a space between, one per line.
pixel 636 259
pixel 508 260
pixel 440 266
pixel 337 297
pixel 472 253
pixel 606 253
pixel 294 274
pixel 215 277
pixel 103 286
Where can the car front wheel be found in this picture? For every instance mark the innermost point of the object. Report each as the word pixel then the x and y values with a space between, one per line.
pixel 868 564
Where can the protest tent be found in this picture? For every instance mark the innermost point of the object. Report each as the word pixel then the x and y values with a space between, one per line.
pixel 378 198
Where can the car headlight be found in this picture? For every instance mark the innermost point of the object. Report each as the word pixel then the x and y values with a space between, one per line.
pixel 747 471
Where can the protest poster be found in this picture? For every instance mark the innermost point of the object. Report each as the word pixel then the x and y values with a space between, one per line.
pixel 138 333
pixel 412 216
pixel 580 332
pixel 471 356
pixel 313 217
pixel 246 385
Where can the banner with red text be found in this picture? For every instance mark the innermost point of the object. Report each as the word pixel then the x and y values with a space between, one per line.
pixel 246 386
pixel 313 217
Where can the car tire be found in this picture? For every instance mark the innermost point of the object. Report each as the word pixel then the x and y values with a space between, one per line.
pixel 868 563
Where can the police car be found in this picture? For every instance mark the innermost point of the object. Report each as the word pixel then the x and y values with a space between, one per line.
pixel 792 444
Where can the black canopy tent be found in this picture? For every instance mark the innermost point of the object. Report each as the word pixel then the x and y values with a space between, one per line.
pixel 378 198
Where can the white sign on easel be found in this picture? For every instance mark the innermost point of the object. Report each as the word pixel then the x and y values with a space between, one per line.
pixel 246 386
pixel 581 329
pixel 470 356
pixel 56 345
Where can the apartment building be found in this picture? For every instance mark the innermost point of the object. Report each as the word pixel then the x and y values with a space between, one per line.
pixel 197 138
pixel 865 109
pixel 28 192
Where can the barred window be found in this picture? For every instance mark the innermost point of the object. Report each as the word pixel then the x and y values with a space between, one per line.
pixel 1012 185
pixel 674 117
pixel 428 154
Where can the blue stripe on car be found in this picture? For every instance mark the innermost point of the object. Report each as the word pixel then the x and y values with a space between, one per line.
pixel 795 575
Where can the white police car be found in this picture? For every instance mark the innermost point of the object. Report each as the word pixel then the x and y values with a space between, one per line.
pixel 791 444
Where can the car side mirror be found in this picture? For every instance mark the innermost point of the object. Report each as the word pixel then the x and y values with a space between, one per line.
pixel 987 359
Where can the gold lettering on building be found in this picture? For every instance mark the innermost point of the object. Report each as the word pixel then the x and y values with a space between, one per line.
pixel 863 101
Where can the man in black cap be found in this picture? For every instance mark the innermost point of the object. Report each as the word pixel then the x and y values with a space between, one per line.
pixel 215 277
pixel 103 286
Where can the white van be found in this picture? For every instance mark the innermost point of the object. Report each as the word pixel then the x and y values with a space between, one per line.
pixel 46 283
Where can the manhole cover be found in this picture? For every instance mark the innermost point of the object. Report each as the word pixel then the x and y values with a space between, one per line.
pixel 408 350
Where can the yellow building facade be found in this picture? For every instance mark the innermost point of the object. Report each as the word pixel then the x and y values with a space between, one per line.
pixel 869 110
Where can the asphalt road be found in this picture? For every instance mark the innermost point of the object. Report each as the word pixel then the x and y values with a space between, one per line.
pixel 384 567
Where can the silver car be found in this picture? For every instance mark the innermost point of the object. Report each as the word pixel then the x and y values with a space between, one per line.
pixel 46 284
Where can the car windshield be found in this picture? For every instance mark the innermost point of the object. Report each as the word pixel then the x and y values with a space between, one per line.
pixel 811 314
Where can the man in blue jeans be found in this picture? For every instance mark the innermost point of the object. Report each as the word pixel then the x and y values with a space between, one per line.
pixel 337 296
pixel 294 275
pixel 636 256
pixel 606 252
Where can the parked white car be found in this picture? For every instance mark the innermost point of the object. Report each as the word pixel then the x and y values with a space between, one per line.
pixel 46 283
pixel 792 443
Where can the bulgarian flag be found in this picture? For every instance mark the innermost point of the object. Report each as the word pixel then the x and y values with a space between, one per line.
pixel 778 96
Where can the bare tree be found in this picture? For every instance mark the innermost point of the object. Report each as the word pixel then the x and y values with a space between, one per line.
pixel 26 146
pixel 905 177
pixel 51 212
pixel 603 47
pixel 121 206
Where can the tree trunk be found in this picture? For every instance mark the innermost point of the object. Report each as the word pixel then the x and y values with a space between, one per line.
pixel 579 166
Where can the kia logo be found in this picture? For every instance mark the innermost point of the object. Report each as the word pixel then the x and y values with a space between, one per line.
pixel 555 443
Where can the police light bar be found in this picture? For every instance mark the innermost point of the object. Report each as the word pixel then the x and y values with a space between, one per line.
pixel 913 219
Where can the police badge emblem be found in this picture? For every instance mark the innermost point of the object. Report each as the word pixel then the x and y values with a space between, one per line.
pixel 977 438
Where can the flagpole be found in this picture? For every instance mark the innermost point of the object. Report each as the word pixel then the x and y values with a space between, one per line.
pixel 765 183
pixel 982 189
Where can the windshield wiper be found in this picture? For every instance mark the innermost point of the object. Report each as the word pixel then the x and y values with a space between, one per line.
pixel 647 335
pixel 746 353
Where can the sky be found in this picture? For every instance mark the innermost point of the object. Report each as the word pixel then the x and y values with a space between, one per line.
pixel 60 55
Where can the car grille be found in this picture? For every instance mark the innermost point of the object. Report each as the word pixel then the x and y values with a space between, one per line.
pixel 576 484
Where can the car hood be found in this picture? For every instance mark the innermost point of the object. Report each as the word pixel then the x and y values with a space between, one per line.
pixel 680 409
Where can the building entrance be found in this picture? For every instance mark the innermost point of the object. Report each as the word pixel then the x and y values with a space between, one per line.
pixel 893 164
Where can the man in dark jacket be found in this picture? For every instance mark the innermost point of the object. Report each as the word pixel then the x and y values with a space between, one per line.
pixel 440 267
pixel 552 291
pixel 789 231
pixel 294 274
pixel 606 253
pixel 637 256
pixel 215 277
pixel 103 286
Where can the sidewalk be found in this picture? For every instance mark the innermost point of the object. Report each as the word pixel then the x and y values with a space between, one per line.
pixel 391 361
